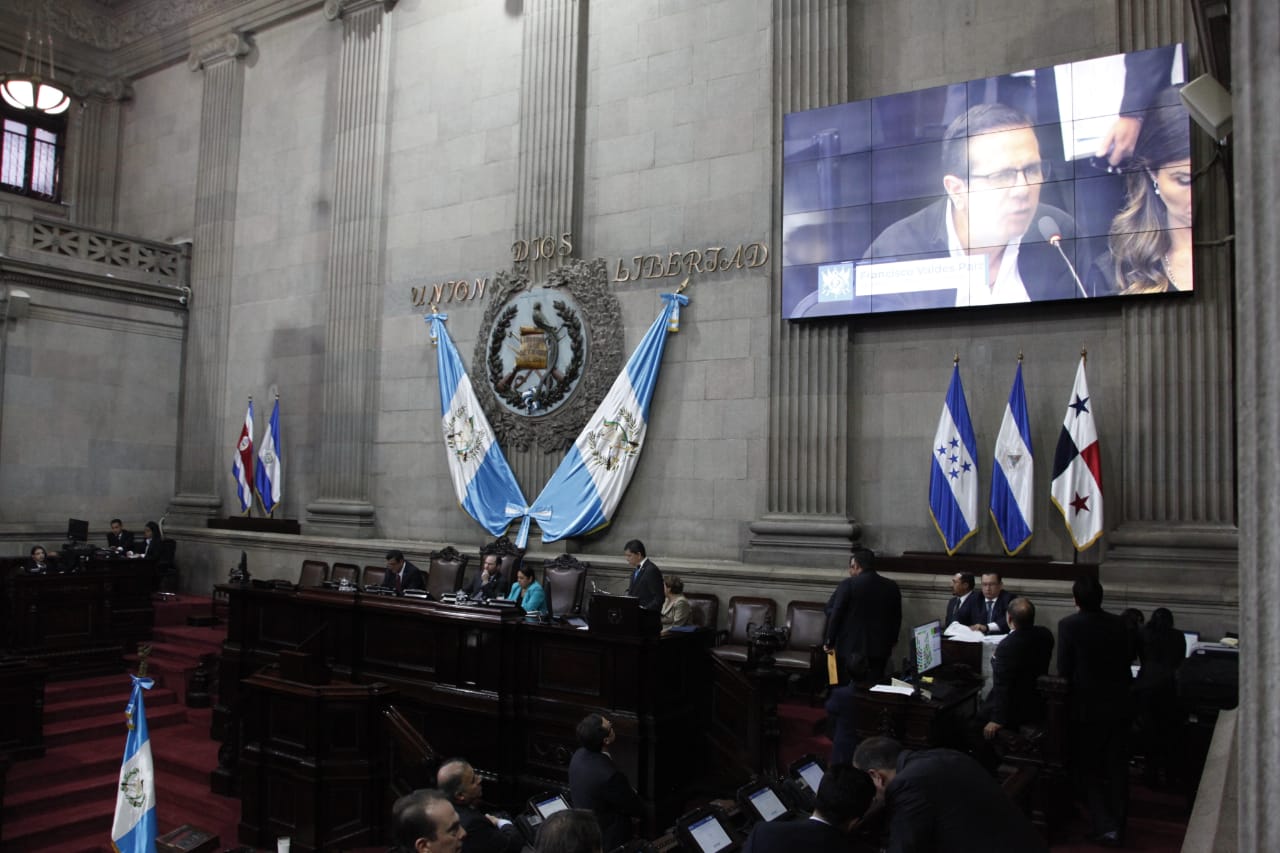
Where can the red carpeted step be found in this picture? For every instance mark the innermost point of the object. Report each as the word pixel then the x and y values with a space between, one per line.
pixel 75 709
pixel 117 684
pixel 174 611
pixel 65 790
pixel 85 823
pixel 110 726
pixel 82 759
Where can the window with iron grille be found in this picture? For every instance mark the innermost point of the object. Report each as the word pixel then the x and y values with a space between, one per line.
pixel 31 154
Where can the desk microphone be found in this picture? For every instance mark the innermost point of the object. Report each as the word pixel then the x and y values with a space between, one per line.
pixel 1049 230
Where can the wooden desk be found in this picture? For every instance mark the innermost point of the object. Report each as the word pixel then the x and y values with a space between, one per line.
pixel 913 721
pixel 80 623
pixel 483 682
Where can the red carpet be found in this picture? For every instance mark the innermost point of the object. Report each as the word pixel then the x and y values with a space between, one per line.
pixel 1157 821
pixel 65 801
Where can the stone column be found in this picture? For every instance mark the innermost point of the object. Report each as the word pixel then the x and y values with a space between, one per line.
pixel 94 150
pixel 203 452
pixel 1178 505
pixel 808 519
pixel 354 279
pixel 1256 79
pixel 549 166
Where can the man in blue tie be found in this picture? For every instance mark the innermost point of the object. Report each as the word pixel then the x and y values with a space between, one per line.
pixel 994 605
pixel 646 577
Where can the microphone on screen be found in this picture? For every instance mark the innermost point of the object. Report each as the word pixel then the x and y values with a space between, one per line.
pixel 1049 230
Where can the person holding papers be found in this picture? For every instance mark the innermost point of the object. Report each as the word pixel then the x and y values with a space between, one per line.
pixel 992 174
pixel 993 605
pixel 863 617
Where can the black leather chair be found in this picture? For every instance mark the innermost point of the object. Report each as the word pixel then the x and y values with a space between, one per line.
pixel 706 609
pixel 745 612
pixel 445 576
pixel 803 655
pixel 372 575
pixel 565 579
pixel 314 573
pixel 344 571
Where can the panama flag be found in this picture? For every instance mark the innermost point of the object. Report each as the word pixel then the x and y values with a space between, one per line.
pixel 242 461
pixel 953 481
pixel 482 479
pixel 1012 477
pixel 584 491
pixel 269 476
pixel 1077 468
pixel 134 829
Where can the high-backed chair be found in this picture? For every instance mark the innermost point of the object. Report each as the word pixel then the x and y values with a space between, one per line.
pixel 445 575
pixel 803 655
pixel 509 558
pixel 314 573
pixel 746 612
pixel 372 575
pixel 706 609
pixel 344 571
pixel 565 578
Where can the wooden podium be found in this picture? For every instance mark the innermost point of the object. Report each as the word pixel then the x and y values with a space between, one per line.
pixel 622 616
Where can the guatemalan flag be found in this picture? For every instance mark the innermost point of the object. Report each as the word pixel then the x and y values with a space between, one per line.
pixel 242 461
pixel 134 829
pixel 482 479
pixel 269 475
pixel 1012 477
pixel 584 491
pixel 953 480
pixel 1077 468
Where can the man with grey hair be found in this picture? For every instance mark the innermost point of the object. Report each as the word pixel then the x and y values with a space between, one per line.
pixel 486 833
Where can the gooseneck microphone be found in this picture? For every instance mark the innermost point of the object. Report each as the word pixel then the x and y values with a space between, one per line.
pixel 1049 230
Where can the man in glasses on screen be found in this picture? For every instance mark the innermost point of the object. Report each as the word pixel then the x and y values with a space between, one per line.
pixel 990 240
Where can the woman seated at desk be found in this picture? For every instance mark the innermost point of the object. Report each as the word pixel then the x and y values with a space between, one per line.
pixel 528 592
pixel 39 563
pixel 676 610
pixel 151 540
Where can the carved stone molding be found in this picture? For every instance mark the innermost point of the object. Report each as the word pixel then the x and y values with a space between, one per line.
pixel 224 47
pixel 86 86
pixel 335 9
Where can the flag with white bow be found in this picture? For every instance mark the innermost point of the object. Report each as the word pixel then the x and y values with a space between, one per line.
pixel 242 461
pixel 1076 489
pixel 269 476
pixel 134 828
pixel 585 490
pixel 482 479
pixel 953 477
pixel 1012 475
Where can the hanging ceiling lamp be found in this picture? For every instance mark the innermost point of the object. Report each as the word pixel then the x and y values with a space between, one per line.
pixel 36 90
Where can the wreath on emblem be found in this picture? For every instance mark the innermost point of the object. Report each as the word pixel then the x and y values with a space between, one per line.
pixel 461 435
pixel 131 786
pixel 550 393
pixel 615 441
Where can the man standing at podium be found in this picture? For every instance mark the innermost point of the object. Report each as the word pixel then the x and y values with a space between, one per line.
pixel 646 577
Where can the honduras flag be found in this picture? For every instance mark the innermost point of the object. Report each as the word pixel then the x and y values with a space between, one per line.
pixel 242 461
pixel 1013 474
pixel 482 479
pixel 953 482
pixel 584 491
pixel 134 829
pixel 268 477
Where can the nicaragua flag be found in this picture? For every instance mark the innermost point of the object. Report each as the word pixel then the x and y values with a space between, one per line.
pixel 584 491
pixel 482 479
pixel 134 829
pixel 242 461
pixel 268 478
pixel 953 480
pixel 1012 477
pixel 1076 489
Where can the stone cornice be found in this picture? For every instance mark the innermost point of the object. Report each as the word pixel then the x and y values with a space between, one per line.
pixel 335 9
pixel 219 49
pixel 86 86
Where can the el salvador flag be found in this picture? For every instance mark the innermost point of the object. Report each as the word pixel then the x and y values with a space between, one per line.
pixel 953 481
pixel 1012 477
pixel 584 491
pixel 482 479
pixel 134 828
pixel 268 475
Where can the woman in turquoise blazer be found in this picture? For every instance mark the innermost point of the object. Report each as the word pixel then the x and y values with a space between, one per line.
pixel 527 592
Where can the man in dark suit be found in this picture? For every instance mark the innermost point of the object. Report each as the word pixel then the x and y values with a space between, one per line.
pixel 993 605
pixel 486 833
pixel 488 581
pixel 1094 651
pixel 119 537
pixel 942 801
pixel 570 831
pixel 842 799
pixel 992 174
pixel 424 821
pixel 646 577
pixel 863 616
pixel 401 574
pixel 596 783
pixel 963 605
pixel 1019 660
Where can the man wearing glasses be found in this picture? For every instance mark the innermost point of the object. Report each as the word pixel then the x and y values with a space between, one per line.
pixel 991 216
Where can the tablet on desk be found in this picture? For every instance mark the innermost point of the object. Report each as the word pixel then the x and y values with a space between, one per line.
pixel 546 808
pixel 766 804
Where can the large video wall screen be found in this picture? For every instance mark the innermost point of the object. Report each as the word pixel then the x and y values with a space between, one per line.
pixel 1066 182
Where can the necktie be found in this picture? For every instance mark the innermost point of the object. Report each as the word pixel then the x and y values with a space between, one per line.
pixel 399 582
pixel 991 606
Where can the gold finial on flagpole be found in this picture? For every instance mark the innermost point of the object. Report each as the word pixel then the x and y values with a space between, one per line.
pixel 683 285
pixel 956 360
pixel 1084 355
pixel 1019 356
pixel 144 652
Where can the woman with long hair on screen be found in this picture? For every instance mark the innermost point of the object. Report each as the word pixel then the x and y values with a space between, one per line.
pixel 1150 243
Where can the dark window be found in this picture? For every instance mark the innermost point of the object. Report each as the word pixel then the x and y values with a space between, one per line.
pixel 31 156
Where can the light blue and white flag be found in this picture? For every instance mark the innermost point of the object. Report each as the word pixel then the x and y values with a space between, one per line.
pixel 953 481
pixel 1012 477
pixel 269 475
pixel 482 479
pixel 583 493
pixel 134 829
